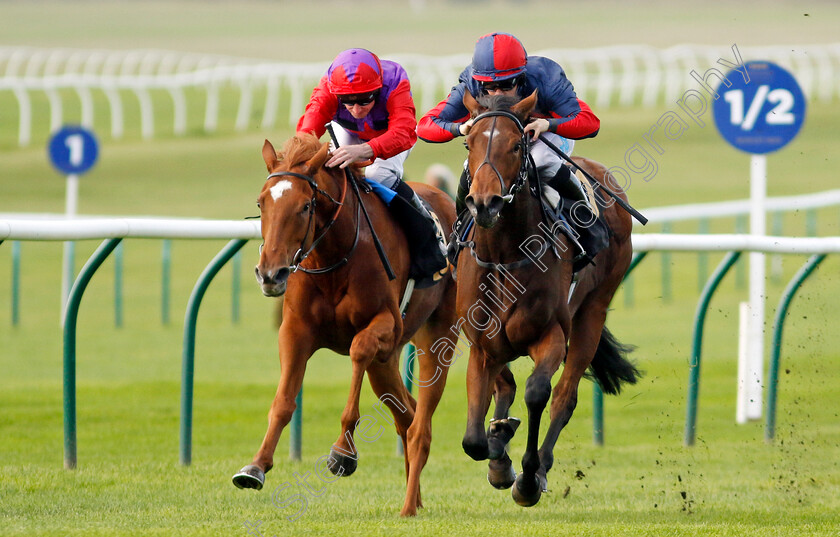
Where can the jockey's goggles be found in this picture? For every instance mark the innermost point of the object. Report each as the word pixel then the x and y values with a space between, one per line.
pixel 503 85
pixel 362 99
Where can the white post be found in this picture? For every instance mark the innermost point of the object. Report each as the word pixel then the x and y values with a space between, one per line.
pixel 758 225
pixel 743 359
pixel 71 203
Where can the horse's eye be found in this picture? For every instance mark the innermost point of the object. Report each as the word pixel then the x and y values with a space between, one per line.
pixel 517 148
pixel 306 207
pixel 466 145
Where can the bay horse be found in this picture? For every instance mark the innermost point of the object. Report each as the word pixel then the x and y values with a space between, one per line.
pixel 534 312
pixel 319 253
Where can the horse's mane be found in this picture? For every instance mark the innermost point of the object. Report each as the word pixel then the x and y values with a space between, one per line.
pixel 496 102
pixel 299 149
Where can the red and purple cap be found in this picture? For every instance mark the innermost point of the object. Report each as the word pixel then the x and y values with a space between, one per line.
pixel 355 70
pixel 498 56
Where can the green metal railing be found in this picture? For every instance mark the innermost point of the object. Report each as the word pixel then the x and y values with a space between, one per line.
pixel 697 344
pixel 188 358
pixel 71 314
pixel 776 348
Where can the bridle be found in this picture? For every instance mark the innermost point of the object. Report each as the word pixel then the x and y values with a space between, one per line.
pixel 300 254
pixel 524 143
pixel 521 179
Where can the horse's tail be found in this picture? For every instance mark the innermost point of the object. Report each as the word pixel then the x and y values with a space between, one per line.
pixel 610 366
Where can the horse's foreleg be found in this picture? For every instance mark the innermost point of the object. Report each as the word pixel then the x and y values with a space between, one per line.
pixel 548 354
pixel 502 427
pixel 294 345
pixel 376 338
pixel 504 393
pixel 481 373
pixel 500 472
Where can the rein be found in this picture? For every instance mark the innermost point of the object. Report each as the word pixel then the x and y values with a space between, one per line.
pixel 301 255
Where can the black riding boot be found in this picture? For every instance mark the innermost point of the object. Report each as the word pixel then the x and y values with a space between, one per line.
pixel 568 186
pixel 463 190
pixel 427 254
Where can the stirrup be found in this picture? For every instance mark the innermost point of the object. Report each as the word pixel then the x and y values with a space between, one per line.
pixel 459 230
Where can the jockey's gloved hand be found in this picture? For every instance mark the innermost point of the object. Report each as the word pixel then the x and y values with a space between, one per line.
pixel 537 126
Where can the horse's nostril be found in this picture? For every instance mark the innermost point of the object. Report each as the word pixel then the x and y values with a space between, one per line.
pixel 267 277
pixel 496 205
pixel 261 278
pixel 469 201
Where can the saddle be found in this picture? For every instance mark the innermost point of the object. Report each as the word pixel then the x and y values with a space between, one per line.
pixel 589 238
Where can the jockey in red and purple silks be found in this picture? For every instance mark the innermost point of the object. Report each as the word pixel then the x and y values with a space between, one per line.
pixel 501 66
pixel 369 103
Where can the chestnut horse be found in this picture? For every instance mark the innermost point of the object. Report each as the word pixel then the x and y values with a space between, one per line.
pixel 531 307
pixel 319 252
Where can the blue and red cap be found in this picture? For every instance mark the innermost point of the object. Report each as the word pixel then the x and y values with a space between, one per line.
pixel 498 56
pixel 355 70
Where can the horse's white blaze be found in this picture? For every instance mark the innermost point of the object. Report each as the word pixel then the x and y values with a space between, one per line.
pixel 278 189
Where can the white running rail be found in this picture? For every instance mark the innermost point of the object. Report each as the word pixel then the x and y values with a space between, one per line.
pixel 628 75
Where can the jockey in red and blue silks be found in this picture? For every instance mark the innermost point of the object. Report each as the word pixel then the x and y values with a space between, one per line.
pixel 500 65
pixel 369 103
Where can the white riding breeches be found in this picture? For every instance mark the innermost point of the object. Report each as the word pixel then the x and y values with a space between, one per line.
pixel 546 160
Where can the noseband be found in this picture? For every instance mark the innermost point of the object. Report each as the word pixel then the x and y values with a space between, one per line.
pixel 524 142
pixel 301 255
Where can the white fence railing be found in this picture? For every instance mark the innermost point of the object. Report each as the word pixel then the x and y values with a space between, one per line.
pixel 163 228
pixel 722 209
pixel 238 229
pixel 32 229
pixel 628 75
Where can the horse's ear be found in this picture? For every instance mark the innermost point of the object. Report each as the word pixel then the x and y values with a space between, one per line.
pixel 269 156
pixel 524 107
pixel 318 160
pixel 470 102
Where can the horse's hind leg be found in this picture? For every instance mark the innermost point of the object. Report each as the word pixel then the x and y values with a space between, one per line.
pixel 367 345
pixel 295 347
pixel 389 388
pixel 431 377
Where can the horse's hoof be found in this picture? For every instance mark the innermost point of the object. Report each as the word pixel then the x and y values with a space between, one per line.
pixel 477 450
pixel 526 490
pixel 499 434
pixel 501 474
pixel 249 477
pixel 341 465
